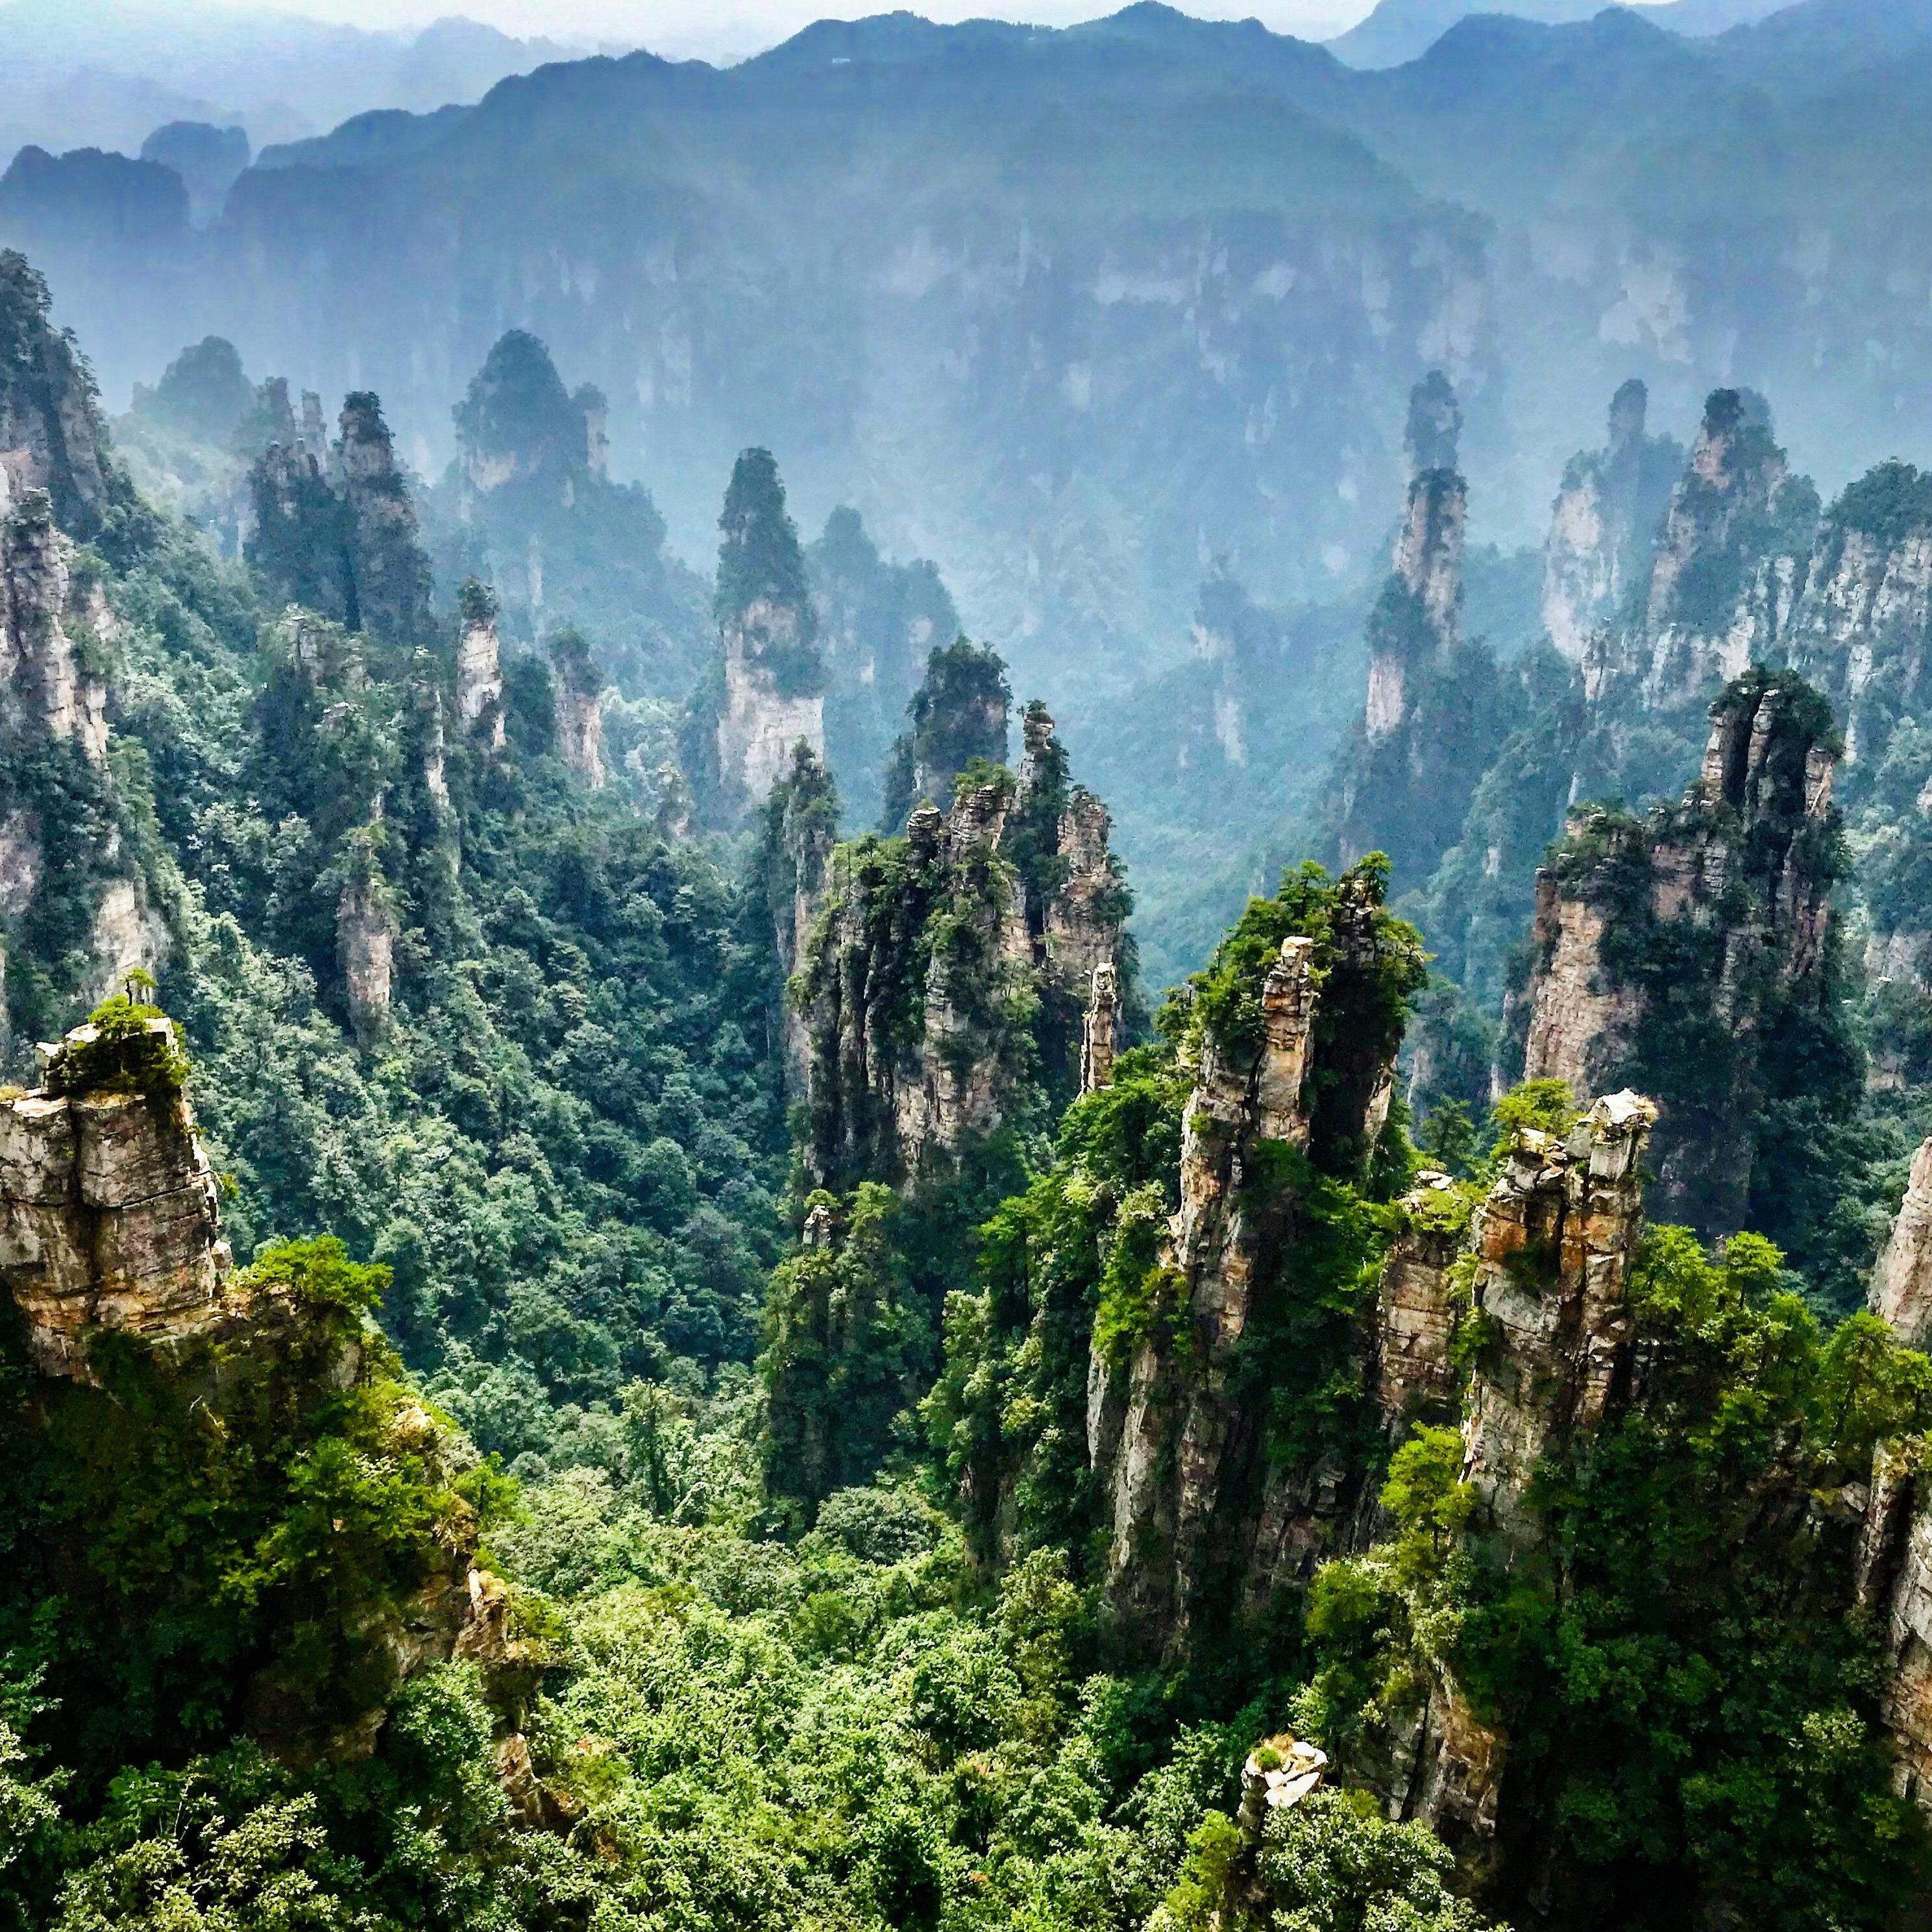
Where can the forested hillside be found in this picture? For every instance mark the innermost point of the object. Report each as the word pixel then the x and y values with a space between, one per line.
pixel 623 1303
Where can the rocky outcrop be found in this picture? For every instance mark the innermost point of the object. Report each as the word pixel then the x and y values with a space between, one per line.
pixel 762 719
pixel 1417 1307
pixel 1895 1582
pixel 52 436
pixel 335 532
pixel 1729 569
pixel 800 830
pixel 108 1216
pixel 1603 524
pixel 391 574
pixel 580 685
pixel 1548 1258
pixel 945 972
pixel 1669 951
pixel 1901 1287
pixel 61 840
pixel 51 642
pixel 773 670
pixel 958 717
pixel 1437 708
pixel 365 947
pixel 479 668
pixel 1419 622
pixel 1863 630
pixel 1554 1244
pixel 1100 1030
pixel 1200 1512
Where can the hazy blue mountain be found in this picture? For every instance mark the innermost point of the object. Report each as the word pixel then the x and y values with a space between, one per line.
pixel 1072 313
pixel 106 72
pixel 1400 30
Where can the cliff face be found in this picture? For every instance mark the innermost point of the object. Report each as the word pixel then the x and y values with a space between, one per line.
pixel 765 713
pixel 133 1320
pixel 1419 622
pixel 73 910
pixel 1729 568
pixel 1670 951
pixel 958 717
pixel 108 1219
pixel 1554 1243
pixel 1202 1509
pixel 579 684
pixel 479 669
pixel 946 973
pixel 1436 709
pixel 333 528
pixel 1603 524
pixel 768 696
pixel 1901 1287
pixel 52 435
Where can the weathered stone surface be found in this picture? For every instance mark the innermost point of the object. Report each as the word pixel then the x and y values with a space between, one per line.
pixel 906 1043
pixel 1554 1244
pixel 1578 1023
pixel 1098 1030
pixel 1603 524
pixel 762 722
pixel 1180 1430
pixel 44 686
pixel 1737 879
pixel 1901 1287
pixel 1416 1308
pixel 108 1215
pixel 479 681
pixel 1738 483
pixel 365 946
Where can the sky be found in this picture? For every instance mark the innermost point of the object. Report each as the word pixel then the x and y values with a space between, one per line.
pixel 729 29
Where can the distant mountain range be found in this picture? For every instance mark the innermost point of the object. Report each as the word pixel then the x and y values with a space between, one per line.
pixel 101 73
pixel 1404 30
pixel 1085 315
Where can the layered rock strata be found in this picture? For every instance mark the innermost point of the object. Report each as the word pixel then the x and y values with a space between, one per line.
pixel 1416 1307
pixel 1667 949
pixel 1199 1510
pixel 932 971
pixel 108 1214
pixel 1603 525
pixel 1554 1243
pixel 1729 568
pixel 1548 1254
pixel 1901 1287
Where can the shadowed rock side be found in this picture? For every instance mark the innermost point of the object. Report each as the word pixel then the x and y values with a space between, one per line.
pixel 1435 710
pixel 1894 1572
pixel 772 697
pixel 1548 1256
pixel 1901 1289
pixel 75 913
pixel 332 528
pixel 1603 525
pixel 52 435
pixel 1200 1513
pixel 947 972
pixel 1669 951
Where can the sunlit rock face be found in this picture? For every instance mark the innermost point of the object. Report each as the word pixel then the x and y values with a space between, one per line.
pixel 108 1216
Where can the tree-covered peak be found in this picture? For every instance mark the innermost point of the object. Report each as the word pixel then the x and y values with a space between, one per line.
pixel 760 558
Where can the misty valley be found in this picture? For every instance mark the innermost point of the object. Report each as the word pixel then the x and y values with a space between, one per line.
pixel 981 978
